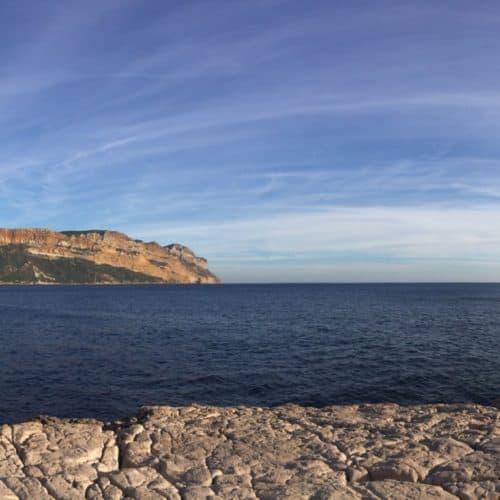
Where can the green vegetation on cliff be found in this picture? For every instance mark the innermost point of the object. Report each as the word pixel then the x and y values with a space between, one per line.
pixel 19 266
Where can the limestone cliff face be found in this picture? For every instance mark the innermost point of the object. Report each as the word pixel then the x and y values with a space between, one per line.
pixel 41 255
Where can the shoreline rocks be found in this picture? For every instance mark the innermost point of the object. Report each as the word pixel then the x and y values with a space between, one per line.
pixel 346 452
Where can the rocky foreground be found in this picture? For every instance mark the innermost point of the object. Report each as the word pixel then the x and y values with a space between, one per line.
pixel 344 452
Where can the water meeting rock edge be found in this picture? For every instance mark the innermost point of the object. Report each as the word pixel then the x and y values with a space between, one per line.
pixel 194 452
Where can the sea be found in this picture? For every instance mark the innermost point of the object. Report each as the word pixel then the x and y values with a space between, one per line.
pixel 104 351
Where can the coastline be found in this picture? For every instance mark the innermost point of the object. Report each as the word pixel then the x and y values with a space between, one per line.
pixel 123 283
pixel 193 452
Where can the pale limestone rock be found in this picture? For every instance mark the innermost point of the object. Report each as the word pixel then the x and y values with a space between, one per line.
pixel 64 488
pixel 395 470
pixel 111 492
pixel 489 490
pixel 109 458
pixel 198 493
pixel 197 452
pixel 6 493
pixel 94 492
pixel 408 491
pixel 357 474
pixel 10 463
pixel 27 488
pixel 491 446
pixel 475 467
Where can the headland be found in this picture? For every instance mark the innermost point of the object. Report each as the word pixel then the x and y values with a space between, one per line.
pixel 42 256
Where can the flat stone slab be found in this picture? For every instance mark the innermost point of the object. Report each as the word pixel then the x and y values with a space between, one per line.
pixel 199 452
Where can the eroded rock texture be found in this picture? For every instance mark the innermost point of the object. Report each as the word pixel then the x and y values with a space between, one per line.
pixel 44 256
pixel 196 452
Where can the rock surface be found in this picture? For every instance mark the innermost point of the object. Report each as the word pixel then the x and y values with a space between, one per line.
pixel 197 452
pixel 44 256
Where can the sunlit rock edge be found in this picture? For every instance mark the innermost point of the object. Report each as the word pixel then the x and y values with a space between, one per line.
pixel 50 257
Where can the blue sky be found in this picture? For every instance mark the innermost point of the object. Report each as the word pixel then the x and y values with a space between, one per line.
pixel 282 140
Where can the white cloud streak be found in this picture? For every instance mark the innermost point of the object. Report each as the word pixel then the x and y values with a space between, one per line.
pixel 350 236
pixel 282 138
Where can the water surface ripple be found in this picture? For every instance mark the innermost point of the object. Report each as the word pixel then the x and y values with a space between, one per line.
pixel 86 351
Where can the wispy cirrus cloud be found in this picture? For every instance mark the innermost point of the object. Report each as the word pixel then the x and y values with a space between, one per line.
pixel 271 126
pixel 454 242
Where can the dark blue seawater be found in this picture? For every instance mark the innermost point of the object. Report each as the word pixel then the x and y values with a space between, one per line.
pixel 104 351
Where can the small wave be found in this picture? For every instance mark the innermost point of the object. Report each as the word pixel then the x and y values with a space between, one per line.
pixel 206 379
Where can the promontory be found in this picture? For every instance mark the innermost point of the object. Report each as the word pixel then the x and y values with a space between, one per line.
pixel 43 256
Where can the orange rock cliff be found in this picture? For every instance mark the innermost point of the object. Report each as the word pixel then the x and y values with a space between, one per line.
pixel 106 250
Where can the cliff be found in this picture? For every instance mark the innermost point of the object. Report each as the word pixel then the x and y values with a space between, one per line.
pixel 44 256
pixel 338 452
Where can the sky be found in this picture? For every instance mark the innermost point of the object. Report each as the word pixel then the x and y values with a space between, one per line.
pixel 285 141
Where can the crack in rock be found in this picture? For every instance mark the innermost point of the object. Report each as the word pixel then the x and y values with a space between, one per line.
pixel 351 452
